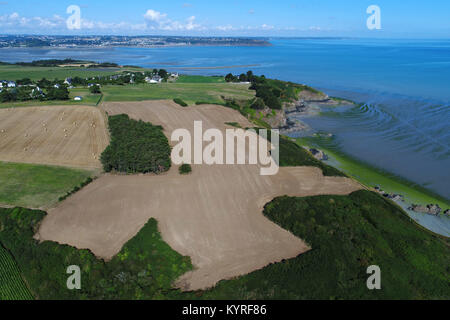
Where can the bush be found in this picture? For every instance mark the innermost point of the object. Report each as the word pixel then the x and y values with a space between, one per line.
pixel 136 147
pixel 185 169
pixel 180 102
pixel 95 89
pixel 258 104
pixel 76 189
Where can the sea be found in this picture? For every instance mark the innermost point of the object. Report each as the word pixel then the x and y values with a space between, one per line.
pixel 402 87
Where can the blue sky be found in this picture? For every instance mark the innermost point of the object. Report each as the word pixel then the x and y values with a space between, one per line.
pixel 399 18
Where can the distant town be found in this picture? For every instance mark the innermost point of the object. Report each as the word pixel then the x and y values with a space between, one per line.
pixel 26 41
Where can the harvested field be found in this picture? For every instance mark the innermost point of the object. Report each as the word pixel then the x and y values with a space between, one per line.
pixel 213 215
pixel 53 135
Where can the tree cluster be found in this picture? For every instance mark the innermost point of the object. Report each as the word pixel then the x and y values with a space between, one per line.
pixel 136 147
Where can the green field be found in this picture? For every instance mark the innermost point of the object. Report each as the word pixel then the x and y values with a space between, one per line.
pixel 14 72
pixel 188 92
pixel 12 286
pixel 372 177
pixel 200 79
pixel 89 99
pixel 34 186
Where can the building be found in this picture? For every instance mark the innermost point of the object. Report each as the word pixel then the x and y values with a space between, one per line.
pixel 37 92
pixel 153 80
pixel 11 84
pixel 68 81
pixel 78 98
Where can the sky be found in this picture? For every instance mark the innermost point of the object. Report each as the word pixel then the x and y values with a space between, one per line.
pixel 266 18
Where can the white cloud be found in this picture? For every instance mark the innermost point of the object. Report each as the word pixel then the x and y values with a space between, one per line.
pixel 155 16
pixel 159 21
pixel 56 22
pixel 153 21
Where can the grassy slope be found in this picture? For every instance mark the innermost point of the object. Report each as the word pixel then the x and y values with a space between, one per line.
pixel 144 269
pixel 13 72
pixel 189 92
pixel 12 286
pixel 34 186
pixel 200 79
pixel 348 234
pixel 292 155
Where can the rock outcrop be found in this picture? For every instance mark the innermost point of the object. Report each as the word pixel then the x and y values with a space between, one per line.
pixel 431 209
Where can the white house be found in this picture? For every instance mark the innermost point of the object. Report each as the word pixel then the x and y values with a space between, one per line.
pixel 153 80
pixel 68 81
pixel 78 98
pixel 11 84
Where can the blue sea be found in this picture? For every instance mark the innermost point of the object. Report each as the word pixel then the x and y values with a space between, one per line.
pixel 404 86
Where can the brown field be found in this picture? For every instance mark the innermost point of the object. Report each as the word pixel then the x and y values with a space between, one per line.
pixel 213 215
pixel 55 135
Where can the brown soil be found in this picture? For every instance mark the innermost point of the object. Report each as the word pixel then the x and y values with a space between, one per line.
pixel 53 135
pixel 213 215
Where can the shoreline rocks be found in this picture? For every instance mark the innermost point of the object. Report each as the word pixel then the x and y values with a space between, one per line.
pixel 391 196
pixel 431 209
pixel 319 154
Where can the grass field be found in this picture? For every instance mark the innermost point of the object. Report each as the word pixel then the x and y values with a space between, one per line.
pixel 188 92
pixel 372 177
pixel 89 99
pixel 200 79
pixel 13 72
pixel 35 186
pixel 12 286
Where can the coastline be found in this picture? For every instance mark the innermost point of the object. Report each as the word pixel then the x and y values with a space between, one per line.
pixel 401 191
pixel 390 183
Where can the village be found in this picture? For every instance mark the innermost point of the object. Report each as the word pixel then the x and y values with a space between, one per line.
pixel 44 89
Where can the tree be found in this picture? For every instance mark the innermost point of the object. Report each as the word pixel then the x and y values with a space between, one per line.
pixel 230 77
pixel 95 89
pixel 44 83
pixel 258 104
pixel 5 96
pixel 163 73
pixel 250 75
pixel 60 93
pixel 243 78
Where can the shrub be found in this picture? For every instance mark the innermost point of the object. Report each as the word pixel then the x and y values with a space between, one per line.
pixel 180 102
pixel 185 169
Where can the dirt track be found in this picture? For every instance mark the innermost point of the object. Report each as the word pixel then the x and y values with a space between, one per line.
pixel 213 215
pixel 56 135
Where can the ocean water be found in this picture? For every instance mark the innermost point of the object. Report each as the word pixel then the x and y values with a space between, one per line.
pixel 404 86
